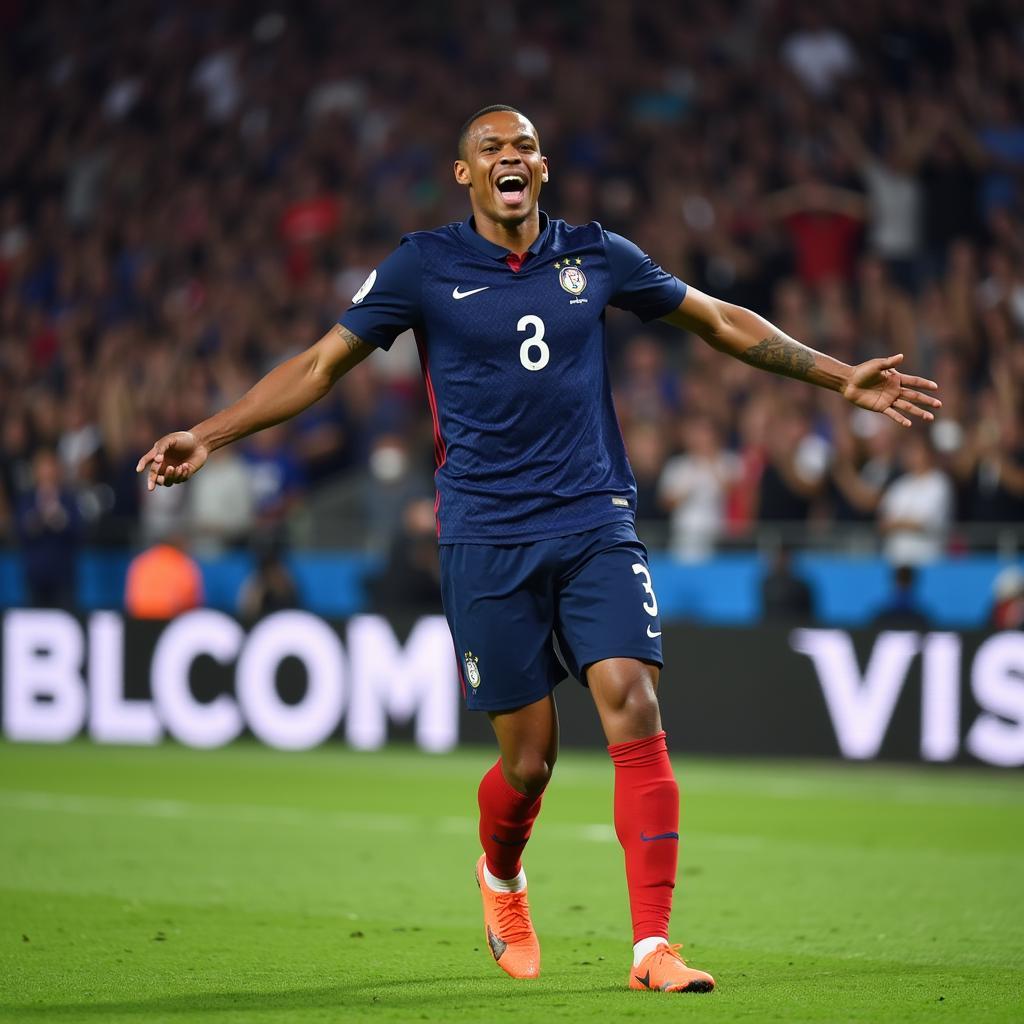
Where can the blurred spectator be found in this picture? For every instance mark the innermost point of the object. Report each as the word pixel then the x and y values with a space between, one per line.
pixel 824 225
pixel 863 464
pixel 222 505
pixel 275 475
pixel 741 509
pixel 916 509
pixel 990 466
pixel 1008 608
pixel 794 471
pixel 164 511
pixel 163 581
pixel 951 171
pixel 895 194
pixel 647 389
pixel 392 488
pixel 80 437
pixel 785 597
pixel 1002 137
pixel 819 54
pixel 270 588
pixel 15 461
pixel 411 579
pixel 645 445
pixel 49 529
pixel 885 312
pixel 901 611
pixel 693 488
pixel 311 218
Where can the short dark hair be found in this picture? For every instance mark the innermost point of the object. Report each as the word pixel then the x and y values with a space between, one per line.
pixel 494 108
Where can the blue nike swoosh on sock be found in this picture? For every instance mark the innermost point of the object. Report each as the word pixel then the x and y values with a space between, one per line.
pixel 514 842
pixel 660 835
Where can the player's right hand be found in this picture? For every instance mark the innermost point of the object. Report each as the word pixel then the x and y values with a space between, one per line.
pixel 174 459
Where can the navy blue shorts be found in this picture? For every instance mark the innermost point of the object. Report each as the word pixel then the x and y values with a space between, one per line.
pixel 506 603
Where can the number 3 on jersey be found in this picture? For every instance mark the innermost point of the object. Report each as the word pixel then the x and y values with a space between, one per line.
pixel 534 343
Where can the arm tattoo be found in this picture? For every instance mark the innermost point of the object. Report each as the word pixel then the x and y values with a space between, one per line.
pixel 780 354
pixel 352 342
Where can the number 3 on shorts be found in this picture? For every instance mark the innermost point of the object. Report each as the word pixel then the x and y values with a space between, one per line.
pixel 639 569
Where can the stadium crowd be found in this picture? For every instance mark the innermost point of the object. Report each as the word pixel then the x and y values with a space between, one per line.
pixel 190 192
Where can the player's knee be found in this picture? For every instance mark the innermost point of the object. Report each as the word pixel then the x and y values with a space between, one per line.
pixel 641 709
pixel 530 772
pixel 630 697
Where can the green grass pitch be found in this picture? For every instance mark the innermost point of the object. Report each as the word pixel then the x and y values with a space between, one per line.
pixel 245 885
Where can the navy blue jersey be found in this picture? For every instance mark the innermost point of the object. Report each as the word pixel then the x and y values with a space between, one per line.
pixel 526 439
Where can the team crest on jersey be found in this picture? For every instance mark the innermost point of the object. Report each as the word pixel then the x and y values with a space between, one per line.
pixel 472 669
pixel 570 276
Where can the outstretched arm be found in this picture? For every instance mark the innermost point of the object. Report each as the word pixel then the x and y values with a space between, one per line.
pixel 876 384
pixel 284 392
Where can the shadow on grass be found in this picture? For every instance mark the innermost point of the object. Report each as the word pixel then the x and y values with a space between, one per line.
pixel 421 991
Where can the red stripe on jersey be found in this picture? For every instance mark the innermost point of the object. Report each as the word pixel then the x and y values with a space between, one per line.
pixel 440 448
pixel 516 260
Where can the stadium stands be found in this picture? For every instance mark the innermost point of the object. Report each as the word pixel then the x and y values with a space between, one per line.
pixel 191 192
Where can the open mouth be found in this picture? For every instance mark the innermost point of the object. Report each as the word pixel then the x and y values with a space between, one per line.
pixel 512 188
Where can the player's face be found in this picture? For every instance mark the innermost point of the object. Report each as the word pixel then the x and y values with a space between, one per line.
pixel 503 167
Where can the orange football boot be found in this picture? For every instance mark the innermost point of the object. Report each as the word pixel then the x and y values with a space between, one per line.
pixel 509 929
pixel 664 970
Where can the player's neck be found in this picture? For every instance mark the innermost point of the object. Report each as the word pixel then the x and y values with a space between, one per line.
pixel 514 237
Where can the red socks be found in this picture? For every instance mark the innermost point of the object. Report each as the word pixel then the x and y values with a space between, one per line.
pixel 506 820
pixel 647 824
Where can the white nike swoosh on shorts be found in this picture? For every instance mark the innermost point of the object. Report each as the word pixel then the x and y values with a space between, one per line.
pixel 456 294
pixel 653 635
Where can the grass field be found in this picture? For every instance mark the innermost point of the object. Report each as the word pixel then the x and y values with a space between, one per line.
pixel 249 885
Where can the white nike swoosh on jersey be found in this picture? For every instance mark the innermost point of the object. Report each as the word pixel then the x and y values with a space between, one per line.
pixel 653 635
pixel 456 294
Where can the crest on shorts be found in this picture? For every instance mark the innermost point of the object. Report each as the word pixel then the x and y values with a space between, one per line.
pixel 472 669
pixel 570 276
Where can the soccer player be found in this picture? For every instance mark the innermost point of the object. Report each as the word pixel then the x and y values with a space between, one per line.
pixel 535 498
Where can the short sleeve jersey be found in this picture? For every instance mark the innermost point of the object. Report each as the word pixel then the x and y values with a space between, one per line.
pixel 526 440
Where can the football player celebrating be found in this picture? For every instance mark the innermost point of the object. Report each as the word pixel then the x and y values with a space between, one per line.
pixel 535 497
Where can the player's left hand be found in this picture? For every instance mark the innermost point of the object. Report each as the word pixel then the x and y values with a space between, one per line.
pixel 877 385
